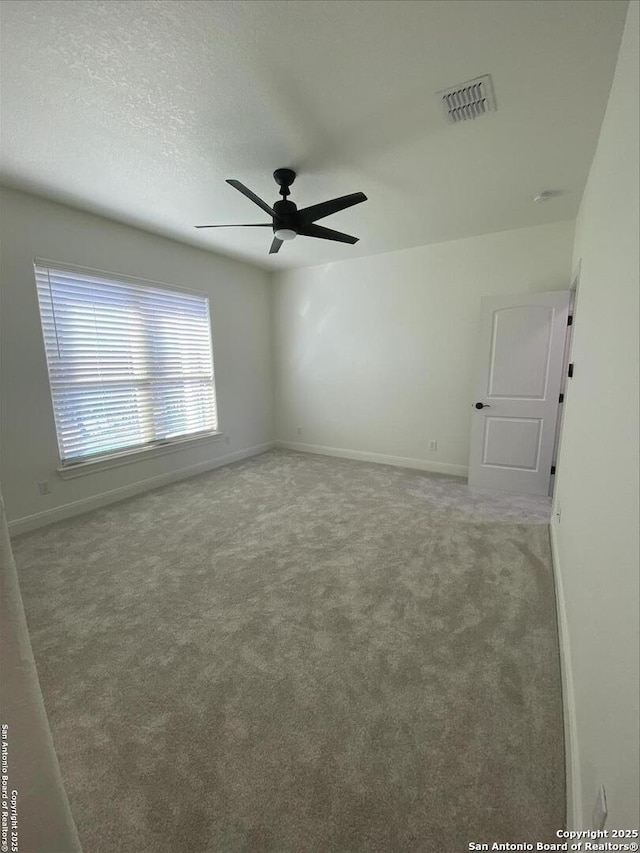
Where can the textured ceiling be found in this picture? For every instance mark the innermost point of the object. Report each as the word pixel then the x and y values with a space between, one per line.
pixel 140 110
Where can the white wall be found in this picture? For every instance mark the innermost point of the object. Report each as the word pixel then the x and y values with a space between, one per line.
pixel 596 540
pixel 377 354
pixel 239 295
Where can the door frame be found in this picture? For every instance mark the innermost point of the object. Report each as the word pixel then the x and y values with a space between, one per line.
pixel 573 303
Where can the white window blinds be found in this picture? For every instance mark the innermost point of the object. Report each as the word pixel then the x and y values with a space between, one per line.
pixel 130 365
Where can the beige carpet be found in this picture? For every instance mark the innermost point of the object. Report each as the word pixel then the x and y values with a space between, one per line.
pixel 297 653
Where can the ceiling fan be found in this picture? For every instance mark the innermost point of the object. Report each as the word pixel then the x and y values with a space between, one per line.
pixel 289 222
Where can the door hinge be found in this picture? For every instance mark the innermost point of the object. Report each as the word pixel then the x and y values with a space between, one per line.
pixel 553 470
pixel 570 371
pixel 561 398
pixel 570 320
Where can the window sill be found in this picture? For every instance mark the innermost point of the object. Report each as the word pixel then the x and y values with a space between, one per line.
pixel 115 460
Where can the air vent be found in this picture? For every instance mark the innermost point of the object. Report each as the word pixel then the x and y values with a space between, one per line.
pixel 468 100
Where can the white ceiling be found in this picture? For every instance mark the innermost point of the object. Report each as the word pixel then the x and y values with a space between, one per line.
pixel 140 110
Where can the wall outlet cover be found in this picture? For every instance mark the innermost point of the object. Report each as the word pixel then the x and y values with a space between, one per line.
pixel 433 444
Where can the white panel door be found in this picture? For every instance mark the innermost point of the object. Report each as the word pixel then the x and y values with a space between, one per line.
pixel 518 383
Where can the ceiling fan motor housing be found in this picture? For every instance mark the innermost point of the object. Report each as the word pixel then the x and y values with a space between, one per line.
pixel 286 214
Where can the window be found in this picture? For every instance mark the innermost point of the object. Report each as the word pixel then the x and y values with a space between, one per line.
pixel 130 364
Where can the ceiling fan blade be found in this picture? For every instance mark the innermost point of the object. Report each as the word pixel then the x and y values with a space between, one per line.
pixel 254 198
pixel 275 246
pixel 326 234
pixel 252 225
pixel 326 208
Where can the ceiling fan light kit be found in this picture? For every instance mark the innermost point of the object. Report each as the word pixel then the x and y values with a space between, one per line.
pixel 287 221
pixel 285 234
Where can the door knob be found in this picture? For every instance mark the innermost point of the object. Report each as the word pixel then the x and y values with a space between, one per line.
pixel 482 406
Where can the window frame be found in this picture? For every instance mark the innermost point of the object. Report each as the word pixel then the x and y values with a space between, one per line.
pixel 69 469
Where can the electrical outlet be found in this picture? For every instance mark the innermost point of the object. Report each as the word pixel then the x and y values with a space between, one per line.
pixel 433 444
pixel 43 487
pixel 299 430
pixel 599 814
pixel 558 513
pixel 227 439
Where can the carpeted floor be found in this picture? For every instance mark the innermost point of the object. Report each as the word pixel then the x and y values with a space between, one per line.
pixel 297 653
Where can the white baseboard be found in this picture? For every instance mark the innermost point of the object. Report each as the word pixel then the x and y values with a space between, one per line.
pixel 60 513
pixel 575 818
pixel 380 458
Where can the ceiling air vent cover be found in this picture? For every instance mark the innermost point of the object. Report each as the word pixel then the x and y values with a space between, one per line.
pixel 468 100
